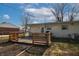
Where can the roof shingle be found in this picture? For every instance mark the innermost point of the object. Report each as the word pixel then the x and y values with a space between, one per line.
pixel 8 25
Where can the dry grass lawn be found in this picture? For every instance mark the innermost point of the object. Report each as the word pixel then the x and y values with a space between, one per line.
pixel 62 49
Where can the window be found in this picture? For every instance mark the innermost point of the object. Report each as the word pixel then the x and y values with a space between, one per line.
pixel 64 27
pixel 42 29
pixel 48 28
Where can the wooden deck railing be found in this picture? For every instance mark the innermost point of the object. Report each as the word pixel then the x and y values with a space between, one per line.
pixel 41 38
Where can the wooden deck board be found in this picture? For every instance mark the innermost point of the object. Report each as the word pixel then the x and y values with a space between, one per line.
pixel 25 40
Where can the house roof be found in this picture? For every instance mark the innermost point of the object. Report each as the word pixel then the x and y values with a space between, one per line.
pixel 53 23
pixel 8 25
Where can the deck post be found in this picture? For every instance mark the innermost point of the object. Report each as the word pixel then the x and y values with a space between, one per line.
pixel 32 39
pixel 49 38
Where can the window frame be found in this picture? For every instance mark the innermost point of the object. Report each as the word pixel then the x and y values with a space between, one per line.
pixel 64 27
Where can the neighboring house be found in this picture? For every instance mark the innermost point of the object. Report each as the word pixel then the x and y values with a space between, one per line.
pixel 64 29
pixel 6 28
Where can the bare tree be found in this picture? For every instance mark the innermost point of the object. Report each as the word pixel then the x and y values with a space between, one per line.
pixel 25 21
pixel 73 12
pixel 59 11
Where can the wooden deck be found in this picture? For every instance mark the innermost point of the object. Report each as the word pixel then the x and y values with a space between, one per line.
pixel 30 41
pixel 24 40
pixel 34 38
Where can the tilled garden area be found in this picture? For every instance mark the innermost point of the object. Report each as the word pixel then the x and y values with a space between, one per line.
pixel 17 49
